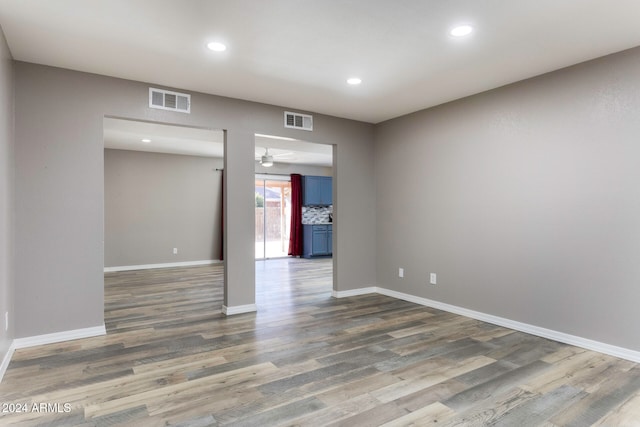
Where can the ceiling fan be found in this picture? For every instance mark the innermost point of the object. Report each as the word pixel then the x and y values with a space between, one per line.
pixel 266 159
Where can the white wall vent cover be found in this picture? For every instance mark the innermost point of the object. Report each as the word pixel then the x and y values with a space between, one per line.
pixel 298 121
pixel 168 100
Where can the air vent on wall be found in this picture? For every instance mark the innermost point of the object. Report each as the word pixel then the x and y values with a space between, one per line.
pixel 168 100
pixel 298 121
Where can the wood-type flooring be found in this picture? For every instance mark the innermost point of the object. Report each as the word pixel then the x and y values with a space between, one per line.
pixel 305 359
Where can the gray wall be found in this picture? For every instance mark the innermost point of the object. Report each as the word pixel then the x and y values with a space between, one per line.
pixel 6 195
pixel 60 190
pixel 524 200
pixel 156 202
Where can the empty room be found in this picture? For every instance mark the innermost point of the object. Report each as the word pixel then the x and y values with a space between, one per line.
pixel 314 213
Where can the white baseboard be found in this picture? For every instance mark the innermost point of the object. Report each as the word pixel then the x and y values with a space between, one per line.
pixel 59 337
pixel 353 292
pixel 239 309
pixel 164 265
pixel 600 347
pixel 6 360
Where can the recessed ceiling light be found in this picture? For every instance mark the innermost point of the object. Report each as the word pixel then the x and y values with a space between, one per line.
pixel 461 31
pixel 217 47
pixel 146 140
pixel 354 81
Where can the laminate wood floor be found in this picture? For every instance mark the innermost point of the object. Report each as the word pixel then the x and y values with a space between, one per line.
pixel 306 359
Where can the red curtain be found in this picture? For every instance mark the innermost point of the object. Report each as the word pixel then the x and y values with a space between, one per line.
pixel 222 218
pixel 295 238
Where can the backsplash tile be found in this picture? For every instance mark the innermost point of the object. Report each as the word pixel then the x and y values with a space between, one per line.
pixel 316 214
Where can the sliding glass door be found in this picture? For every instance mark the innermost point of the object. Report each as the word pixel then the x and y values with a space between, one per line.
pixel 273 216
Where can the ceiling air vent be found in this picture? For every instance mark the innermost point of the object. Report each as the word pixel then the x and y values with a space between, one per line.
pixel 168 100
pixel 298 121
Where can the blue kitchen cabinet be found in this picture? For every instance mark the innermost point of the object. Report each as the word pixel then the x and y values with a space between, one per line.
pixel 318 240
pixel 317 191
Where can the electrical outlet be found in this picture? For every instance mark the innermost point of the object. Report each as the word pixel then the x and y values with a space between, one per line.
pixel 432 278
pixel 175 251
pixel 401 272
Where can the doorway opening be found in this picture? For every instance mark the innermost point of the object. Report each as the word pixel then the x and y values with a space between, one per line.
pixel 162 214
pixel 281 211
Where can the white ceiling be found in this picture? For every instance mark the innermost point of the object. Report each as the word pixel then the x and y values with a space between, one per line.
pixel 299 53
pixel 123 134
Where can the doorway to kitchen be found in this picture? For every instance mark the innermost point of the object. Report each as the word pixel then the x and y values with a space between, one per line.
pixel 272 216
